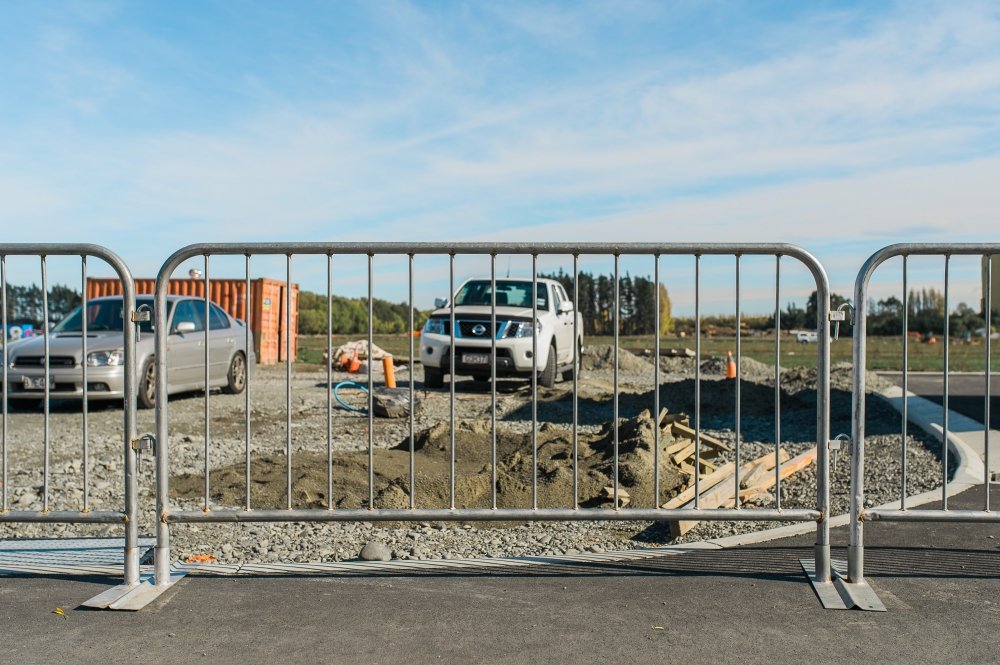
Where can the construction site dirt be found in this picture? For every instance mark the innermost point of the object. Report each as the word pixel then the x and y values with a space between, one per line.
pixel 349 442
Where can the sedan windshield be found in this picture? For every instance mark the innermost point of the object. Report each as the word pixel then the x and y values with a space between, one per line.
pixel 103 315
pixel 510 293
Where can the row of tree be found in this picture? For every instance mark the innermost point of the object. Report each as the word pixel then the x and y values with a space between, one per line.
pixel 350 315
pixel 635 305
pixel 637 316
pixel 924 313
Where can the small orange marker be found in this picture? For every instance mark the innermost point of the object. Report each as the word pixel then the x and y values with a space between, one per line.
pixel 730 365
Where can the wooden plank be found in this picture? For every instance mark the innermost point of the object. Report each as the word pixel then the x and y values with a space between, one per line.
pixel 684 453
pixel 679 429
pixel 788 468
pixel 706 483
pixel 758 474
pixel 678 446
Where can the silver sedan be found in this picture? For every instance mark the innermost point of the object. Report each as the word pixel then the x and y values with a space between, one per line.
pixel 228 354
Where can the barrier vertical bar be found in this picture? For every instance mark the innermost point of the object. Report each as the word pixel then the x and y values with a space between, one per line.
pixel 946 372
pixel 451 377
pixel 162 554
pixel 131 480
pixel 493 379
pixel 329 381
pixel 83 367
pixel 656 383
pixel 288 381
pixel 208 385
pixel 371 384
pixel 412 381
pixel 777 381
pixel 697 379
pixel 48 373
pixel 248 347
pixel 988 315
pixel 614 417
pixel 906 394
pixel 534 381
pixel 739 382
pixel 577 360
pixel 822 560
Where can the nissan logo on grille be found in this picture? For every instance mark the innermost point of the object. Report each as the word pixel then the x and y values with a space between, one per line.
pixel 479 330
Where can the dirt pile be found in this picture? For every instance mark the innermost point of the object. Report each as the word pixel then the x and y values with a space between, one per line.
pixel 602 356
pixel 473 471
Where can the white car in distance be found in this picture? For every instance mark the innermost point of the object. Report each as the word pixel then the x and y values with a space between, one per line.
pixel 557 350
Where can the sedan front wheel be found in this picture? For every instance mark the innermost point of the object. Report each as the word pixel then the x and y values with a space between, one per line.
pixel 147 386
pixel 237 376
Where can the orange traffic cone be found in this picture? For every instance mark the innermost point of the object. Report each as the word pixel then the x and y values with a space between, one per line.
pixel 730 365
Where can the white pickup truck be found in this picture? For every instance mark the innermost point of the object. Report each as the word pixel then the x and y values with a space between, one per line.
pixel 557 348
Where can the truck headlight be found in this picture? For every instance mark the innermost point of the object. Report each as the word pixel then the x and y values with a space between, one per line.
pixel 524 329
pixel 106 358
pixel 434 327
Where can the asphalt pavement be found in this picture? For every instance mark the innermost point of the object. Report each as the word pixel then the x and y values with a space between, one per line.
pixel 966 392
pixel 940 583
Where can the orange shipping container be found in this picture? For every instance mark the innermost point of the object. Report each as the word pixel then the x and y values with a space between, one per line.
pixel 266 306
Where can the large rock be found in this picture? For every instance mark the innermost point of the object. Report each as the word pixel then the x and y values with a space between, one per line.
pixel 393 402
pixel 376 551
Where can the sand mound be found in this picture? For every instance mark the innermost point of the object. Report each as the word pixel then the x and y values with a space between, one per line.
pixel 473 478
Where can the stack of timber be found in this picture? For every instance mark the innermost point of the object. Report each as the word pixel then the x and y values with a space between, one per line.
pixel 717 482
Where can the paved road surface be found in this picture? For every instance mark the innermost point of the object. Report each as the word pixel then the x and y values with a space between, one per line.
pixel 750 605
pixel 966 392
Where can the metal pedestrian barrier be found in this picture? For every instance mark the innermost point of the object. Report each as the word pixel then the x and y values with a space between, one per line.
pixel 44 376
pixel 168 514
pixel 853 583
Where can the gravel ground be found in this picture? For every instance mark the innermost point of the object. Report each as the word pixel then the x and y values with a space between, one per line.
pixel 334 541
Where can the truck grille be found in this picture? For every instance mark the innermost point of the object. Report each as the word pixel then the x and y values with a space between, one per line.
pixel 476 329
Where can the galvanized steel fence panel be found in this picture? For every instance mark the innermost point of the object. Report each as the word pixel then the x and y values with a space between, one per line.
pixel 860 514
pixel 128 512
pixel 168 515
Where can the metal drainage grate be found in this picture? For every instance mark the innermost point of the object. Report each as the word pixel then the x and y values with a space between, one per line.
pixel 68 556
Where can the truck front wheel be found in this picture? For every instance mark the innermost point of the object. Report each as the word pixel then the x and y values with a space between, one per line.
pixel 547 377
pixel 433 377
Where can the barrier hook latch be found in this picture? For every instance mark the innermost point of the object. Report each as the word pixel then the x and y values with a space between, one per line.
pixel 842 313
pixel 835 445
pixel 144 442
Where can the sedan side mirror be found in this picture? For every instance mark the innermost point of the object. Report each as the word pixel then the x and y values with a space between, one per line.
pixel 440 302
pixel 185 327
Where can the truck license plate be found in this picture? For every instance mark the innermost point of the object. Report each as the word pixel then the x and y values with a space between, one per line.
pixel 35 382
pixel 476 358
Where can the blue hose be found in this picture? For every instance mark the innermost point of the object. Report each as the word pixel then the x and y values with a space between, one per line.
pixel 349 384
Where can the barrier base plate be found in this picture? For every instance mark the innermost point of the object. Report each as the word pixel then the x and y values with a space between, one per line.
pixel 838 593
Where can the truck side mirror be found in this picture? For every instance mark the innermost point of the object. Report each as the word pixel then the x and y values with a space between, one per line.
pixel 440 302
pixel 565 307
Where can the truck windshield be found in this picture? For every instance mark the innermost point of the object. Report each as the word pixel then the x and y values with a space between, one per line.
pixel 509 293
pixel 103 315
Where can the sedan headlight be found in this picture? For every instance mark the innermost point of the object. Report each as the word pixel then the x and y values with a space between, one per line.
pixel 523 329
pixel 106 358
pixel 434 327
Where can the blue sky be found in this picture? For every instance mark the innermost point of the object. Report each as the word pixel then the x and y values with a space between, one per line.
pixel 840 126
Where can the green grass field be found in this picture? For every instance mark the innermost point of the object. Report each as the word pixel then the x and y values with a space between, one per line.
pixel 884 353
